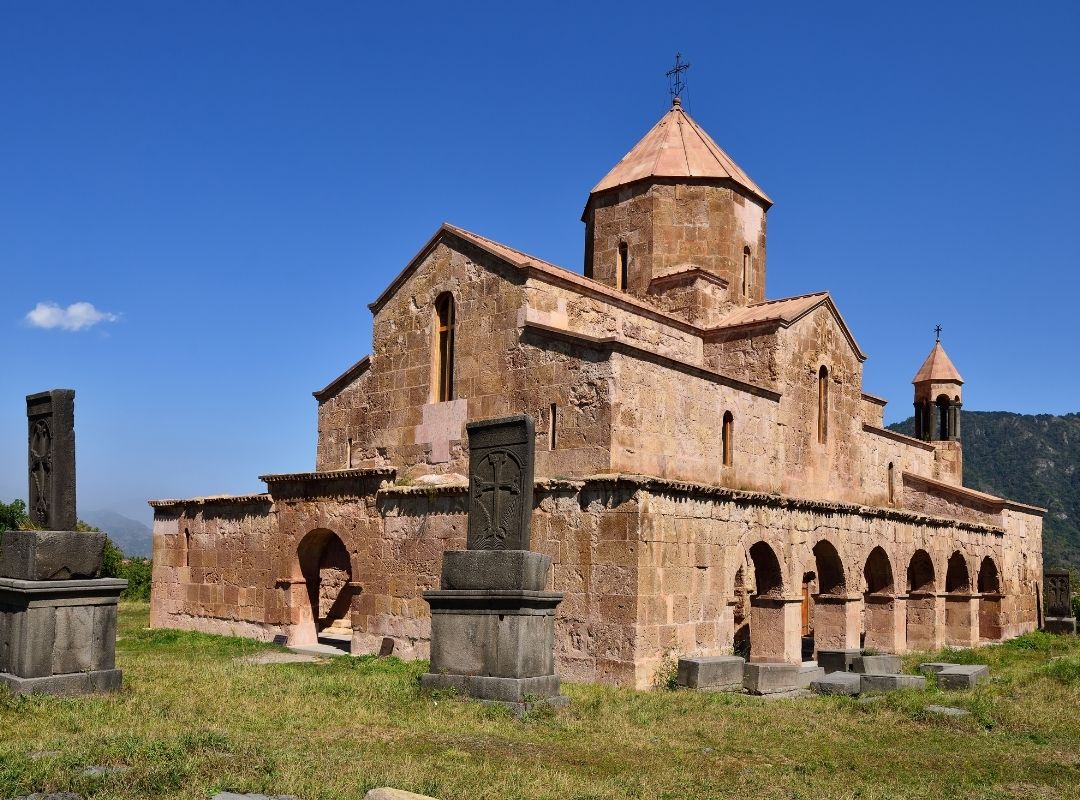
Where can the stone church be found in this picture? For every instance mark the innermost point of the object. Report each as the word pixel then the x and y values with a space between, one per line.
pixel 710 475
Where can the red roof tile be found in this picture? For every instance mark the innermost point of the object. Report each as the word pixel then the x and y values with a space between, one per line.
pixel 937 367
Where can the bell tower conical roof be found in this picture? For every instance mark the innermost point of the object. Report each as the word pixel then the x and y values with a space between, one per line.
pixel 677 147
pixel 937 368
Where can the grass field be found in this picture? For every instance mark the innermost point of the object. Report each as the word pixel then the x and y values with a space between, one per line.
pixel 192 720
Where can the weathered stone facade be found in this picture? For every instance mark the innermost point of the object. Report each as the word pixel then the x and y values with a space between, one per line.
pixel 710 474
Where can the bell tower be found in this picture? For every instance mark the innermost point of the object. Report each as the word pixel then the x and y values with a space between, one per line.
pixel 677 219
pixel 938 399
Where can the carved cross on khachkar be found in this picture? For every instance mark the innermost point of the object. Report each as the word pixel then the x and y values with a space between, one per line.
pixel 500 483
pixel 50 418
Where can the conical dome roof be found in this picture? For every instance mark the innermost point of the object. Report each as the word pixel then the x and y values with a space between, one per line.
pixel 677 147
pixel 937 368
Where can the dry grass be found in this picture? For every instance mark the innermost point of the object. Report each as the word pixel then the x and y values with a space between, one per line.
pixel 192 719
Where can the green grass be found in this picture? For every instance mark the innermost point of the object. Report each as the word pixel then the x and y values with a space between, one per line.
pixel 193 720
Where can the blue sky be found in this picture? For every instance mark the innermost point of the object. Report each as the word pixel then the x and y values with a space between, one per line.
pixel 232 183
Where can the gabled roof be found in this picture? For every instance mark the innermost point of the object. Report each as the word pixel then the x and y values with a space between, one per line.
pixel 785 312
pixel 677 147
pixel 937 368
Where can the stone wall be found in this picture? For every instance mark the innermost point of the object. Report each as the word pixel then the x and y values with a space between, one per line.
pixel 678 433
pixel 648 566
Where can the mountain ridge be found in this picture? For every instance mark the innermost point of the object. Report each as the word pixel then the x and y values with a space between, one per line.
pixel 1029 458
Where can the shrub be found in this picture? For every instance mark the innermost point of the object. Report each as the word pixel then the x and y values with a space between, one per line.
pixel 13 516
pixel 1063 670
pixel 666 676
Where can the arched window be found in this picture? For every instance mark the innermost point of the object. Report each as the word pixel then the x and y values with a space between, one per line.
pixel 623 278
pixel 823 404
pixel 443 372
pixel 944 413
pixel 727 434
pixel 746 263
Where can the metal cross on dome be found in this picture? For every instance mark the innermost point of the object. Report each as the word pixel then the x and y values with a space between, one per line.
pixel 676 84
pixel 937 332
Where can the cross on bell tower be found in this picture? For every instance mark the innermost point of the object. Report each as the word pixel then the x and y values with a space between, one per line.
pixel 676 84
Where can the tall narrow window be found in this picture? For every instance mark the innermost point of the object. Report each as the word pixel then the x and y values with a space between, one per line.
pixel 623 279
pixel 443 378
pixel 187 547
pixel 553 420
pixel 892 483
pixel 348 454
pixel 746 272
pixel 727 435
pixel 823 404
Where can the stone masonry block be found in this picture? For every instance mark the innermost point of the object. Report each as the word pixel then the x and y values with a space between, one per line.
pixel 495 569
pixel 712 672
pixel 837 660
pixel 877 665
pixel 769 678
pixel 956 676
pixel 888 683
pixel 50 555
pixel 837 683
pixel 808 673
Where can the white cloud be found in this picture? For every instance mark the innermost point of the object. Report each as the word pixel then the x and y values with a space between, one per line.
pixel 75 317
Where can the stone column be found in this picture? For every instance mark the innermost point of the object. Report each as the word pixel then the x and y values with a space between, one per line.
pixel 776 629
pixel 836 622
pixel 303 628
pixel 925 621
pixel 884 624
pixel 725 628
pixel 962 620
pixel 990 623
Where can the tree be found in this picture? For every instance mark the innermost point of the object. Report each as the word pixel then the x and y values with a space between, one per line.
pixel 13 516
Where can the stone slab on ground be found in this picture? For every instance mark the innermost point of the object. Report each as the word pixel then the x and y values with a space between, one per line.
pixel 889 683
pixel 274 657
pixel 75 683
pixel 877 665
pixel 768 677
pixel 808 673
pixel 237 796
pixel 395 794
pixel 948 711
pixel 790 694
pixel 724 673
pixel 50 796
pixel 956 676
pixel 837 683
pixel 837 660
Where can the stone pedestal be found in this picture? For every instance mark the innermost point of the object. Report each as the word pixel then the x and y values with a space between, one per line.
pixel 59 636
pixel 961 620
pixel 493 628
pixel 1060 625
pixel 886 623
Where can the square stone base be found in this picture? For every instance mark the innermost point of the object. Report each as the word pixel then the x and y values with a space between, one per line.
pixel 838 660
pixel 769 678
pixel 719 673
pixel 74 683
pixel 508 691
pixel 1060 625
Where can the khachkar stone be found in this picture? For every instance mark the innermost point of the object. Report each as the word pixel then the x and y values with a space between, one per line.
pixel 1059 612
pixel 57 617
pixel 50 418
pixel 492 619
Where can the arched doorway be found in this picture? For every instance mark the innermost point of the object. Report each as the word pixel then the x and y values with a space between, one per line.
pixel 324 564
pixel 961 623
pixel 880 604
pixel 923 623
pixel 774 619
pixel 989 601
pixel 833 615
